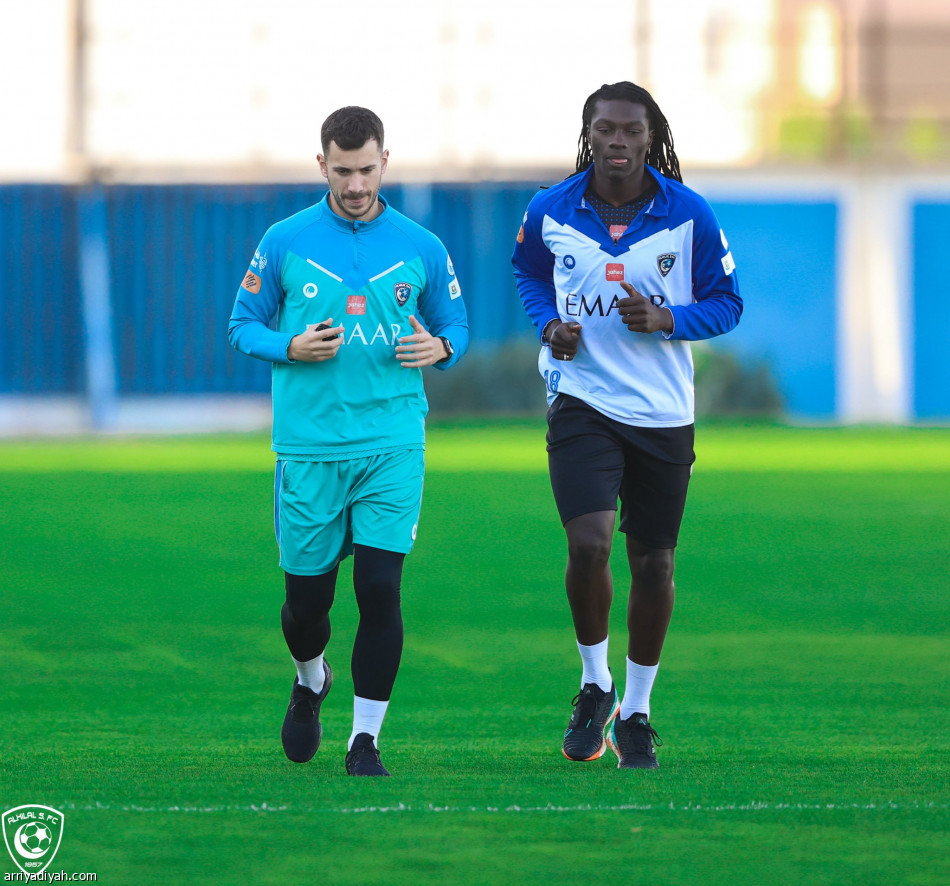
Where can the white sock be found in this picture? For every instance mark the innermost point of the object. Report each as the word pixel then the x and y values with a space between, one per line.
pixel 636 696
pixel 367 717
pixel 310 673
pixel 595 665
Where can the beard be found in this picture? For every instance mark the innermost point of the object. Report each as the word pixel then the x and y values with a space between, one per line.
pixel 352 208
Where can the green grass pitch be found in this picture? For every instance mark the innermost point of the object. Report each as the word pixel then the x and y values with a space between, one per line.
pixel 803 695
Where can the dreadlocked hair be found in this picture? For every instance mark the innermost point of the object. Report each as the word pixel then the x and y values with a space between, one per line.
pixel 661 155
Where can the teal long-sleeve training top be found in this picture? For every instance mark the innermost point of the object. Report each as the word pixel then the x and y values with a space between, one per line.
pixel 369 277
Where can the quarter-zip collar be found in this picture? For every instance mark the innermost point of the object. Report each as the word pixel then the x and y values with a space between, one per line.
pixel 353 226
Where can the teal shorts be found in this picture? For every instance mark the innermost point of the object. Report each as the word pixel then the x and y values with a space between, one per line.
pixel 323 508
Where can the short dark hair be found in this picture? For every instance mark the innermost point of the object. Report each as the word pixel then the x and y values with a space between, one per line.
pixel 661 155
pixel 351 128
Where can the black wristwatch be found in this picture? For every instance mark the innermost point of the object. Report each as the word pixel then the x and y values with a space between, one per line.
pixel 449 350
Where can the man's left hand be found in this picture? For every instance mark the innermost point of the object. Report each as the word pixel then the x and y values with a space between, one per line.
pixel 420 348
pixel 641 315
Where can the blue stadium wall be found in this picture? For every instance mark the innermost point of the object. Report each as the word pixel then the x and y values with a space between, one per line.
pixel 931 316
pixel 41 332
pixel 178 252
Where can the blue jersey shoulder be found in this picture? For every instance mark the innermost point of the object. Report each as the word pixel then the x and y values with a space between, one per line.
pixel 424 241
pixel 683 203
pixel 561 198
pixel 282 234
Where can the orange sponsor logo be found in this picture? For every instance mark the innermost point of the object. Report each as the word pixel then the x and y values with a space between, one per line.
pixel 251 282
pixel 521 234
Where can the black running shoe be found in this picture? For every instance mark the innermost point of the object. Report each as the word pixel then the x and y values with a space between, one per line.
pixel 632 741
pixel 593 710
pixel 363 758
pixel 301 732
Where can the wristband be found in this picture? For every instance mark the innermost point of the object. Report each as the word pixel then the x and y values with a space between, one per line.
pixel 545 338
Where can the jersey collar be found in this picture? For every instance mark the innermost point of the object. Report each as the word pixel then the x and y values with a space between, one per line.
pixel 352 226
pixel 660 205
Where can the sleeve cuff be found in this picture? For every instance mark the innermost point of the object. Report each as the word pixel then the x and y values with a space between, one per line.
pixel 672 332
pixel 545 341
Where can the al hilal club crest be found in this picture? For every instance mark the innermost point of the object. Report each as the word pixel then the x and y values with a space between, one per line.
pixel 402 292
pixel 32 835
pixel 665 262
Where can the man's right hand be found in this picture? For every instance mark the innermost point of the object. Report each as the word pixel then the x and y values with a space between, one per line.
pixel 316 345
pixel 564 340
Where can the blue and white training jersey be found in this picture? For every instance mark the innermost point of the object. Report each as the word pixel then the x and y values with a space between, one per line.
pixel 369 277
pixel 568 266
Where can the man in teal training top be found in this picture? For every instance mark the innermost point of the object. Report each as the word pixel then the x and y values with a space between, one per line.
pixel 348 300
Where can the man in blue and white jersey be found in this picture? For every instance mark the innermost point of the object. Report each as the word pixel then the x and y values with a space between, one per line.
pixel 620 266
pixel 348 300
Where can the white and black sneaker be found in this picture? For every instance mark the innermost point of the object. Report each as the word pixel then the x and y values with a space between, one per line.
pixel 301 732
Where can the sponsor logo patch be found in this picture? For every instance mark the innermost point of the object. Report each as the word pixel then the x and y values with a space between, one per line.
pixel 728 264
pixel 722 236
pixel 520 237
pixel 569 261
pixel 356 304
pixel 251 282
pixel 402 291
pixel 454 290
pixel 665 262
pixel 617 231
pixel 614 272
pixel 449 265
pixel 310 290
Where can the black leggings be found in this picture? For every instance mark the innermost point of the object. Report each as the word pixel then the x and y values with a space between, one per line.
pixel 377 649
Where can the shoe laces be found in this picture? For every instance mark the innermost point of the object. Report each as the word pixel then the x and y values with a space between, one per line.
pixel 641 724
pixel 585 706
pixel 371 752
pixel 366 748
pixel 302 707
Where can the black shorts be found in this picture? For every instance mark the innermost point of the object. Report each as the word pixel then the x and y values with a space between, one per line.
pixel 594 459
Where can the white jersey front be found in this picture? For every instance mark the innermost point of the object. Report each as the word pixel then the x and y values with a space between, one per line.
pixel 568 266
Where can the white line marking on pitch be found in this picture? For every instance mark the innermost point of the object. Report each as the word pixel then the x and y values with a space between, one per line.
pixel 402 807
